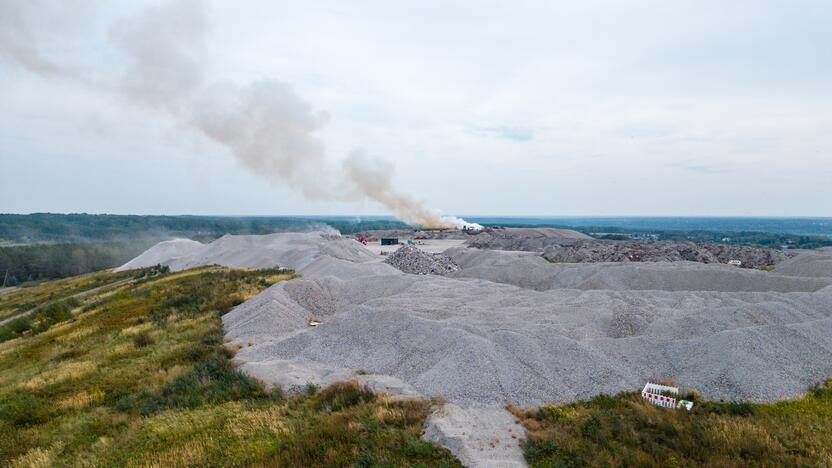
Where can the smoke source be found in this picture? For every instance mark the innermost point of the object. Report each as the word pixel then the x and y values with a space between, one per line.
pixel 268 128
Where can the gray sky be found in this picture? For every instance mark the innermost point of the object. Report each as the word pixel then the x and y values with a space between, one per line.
pixel 514 108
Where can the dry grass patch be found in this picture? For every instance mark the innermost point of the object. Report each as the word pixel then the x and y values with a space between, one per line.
pixel 81 399
pixel 36 458
pixel 65 371
pixel 76 334
pixel 245 422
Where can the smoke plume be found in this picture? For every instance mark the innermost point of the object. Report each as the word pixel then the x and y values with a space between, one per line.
pixel 268 128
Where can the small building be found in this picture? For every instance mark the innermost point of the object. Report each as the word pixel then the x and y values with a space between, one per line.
pixel 389 241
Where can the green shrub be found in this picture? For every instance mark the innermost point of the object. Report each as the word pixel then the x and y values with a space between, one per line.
pixel 731 408
pixel 23 409
pixel 20 325
pixel 211 382
pixel 590 427
pixel 553 413
pixel 540 448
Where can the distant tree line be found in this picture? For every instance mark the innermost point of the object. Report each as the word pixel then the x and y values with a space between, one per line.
pixel 19 264
pixel 48 227
pixel 772 240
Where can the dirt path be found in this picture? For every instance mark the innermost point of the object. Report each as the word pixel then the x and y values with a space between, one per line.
pixel 80 294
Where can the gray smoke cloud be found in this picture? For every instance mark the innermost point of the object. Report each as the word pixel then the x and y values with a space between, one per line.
pixel 265 125
pixel 19 44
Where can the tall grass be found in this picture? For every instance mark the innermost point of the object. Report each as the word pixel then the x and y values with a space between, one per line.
pixel 624 430
pixel 140 376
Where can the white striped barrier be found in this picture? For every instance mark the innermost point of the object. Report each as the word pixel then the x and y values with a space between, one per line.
pixel 657 394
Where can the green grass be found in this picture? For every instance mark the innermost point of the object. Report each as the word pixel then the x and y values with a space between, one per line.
pixel 624 430
pixel 37 294
pixel 138 375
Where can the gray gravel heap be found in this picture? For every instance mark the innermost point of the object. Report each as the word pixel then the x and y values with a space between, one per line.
pixel 590 251
pixel 410 259
pixel 565 246
pixel 573 249
pixel 510 327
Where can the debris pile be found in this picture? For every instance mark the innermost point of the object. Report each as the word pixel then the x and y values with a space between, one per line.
pixel 590 251
pixel 410 259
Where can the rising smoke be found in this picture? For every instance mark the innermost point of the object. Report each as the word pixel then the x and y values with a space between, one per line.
pixel 268 128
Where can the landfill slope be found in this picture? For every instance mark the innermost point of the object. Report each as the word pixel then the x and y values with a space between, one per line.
pixel 532 271
pixel 511 327
pixel 288 250
pixel 815 264
pixel 164 252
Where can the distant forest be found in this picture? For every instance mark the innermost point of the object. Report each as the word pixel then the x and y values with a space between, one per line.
pixel 25 263
pixel 48 227
pixel 45 246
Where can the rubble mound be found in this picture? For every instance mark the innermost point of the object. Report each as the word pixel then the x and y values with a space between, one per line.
pixel 411 260
pixel 527 239
pixel 591 251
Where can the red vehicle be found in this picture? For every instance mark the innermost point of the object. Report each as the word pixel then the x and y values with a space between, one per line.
pixel 362 239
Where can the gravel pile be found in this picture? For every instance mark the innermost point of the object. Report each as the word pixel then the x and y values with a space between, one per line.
pixel 289 250
pixel 565 246
pixel 591 251
pixel 812 263
pixel 164 253
pixel 531 271
pixel 526 239
pixel 511 327
pixel 411 260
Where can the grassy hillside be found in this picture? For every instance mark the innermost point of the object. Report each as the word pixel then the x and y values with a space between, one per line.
pixel 136 373
pixel 623 430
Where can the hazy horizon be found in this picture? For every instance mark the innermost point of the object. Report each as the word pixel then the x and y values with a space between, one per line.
pixel 487 215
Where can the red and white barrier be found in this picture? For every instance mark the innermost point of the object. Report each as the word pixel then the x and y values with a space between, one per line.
pixel 657 395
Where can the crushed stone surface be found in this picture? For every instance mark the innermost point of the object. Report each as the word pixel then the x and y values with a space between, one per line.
pixel 164 253
pixel 663 251
pixel 512 327
pixel 509 326
pixel 480 437
pixel 410 259
pixel 562 247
